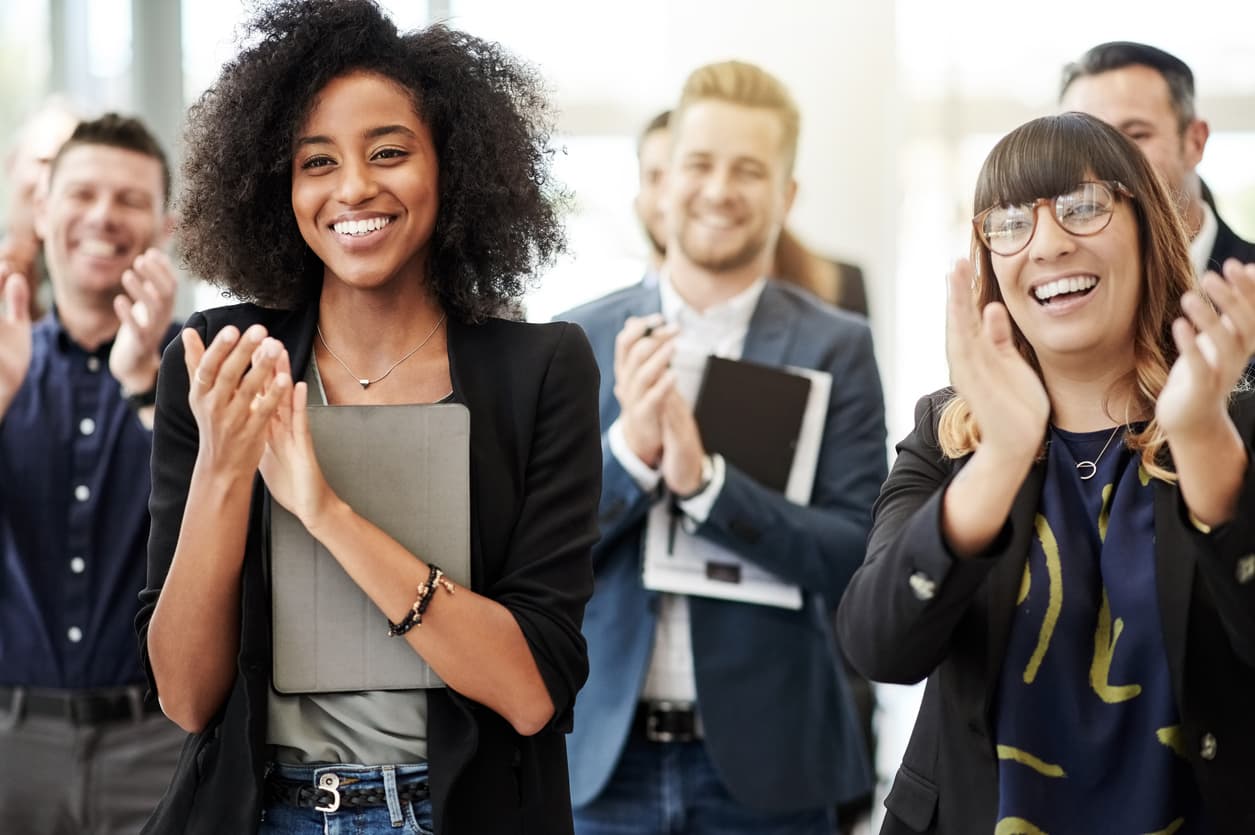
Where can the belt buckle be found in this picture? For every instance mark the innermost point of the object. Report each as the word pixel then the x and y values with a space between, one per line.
pixel 329 783
pixel 653 721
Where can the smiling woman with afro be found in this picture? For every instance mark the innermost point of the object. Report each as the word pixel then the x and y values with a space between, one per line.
pixel 378 200
pixel 487 115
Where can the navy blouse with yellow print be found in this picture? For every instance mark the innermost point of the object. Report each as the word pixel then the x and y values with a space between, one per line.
pixel 1088 733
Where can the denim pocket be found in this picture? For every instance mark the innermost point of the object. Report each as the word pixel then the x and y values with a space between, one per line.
pixel 418 818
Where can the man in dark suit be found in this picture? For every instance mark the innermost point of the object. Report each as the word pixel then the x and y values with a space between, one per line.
pixel 1149 95
pixel 738 710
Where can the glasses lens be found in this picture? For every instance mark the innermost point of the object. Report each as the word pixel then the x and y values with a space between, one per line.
pixel 1007 228
pixel 1086 209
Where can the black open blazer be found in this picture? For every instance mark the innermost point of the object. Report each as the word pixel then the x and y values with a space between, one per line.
pixel 535 481
pixel 957 638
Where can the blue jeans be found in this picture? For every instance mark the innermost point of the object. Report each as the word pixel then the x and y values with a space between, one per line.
pixel 671 788
pixel 399 816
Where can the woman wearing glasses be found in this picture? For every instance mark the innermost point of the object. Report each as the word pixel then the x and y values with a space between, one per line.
pixel 1064 547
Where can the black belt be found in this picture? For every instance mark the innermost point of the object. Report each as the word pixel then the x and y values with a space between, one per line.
pixel 664 721
pixel 80 707
pixel 336 795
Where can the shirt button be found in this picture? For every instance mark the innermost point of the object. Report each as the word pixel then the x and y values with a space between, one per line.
pixel 1208 751
pixel 74 634
pixel 1246 569
pixel 93 363
pixel 78 565
pixel 87 426
pixel 82 492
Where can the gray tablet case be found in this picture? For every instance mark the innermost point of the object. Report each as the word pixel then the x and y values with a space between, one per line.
pixel 407 470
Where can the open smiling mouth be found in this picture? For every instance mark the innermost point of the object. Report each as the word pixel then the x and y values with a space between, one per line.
pixel 361 228
pixel 1064 289
pixel 96 248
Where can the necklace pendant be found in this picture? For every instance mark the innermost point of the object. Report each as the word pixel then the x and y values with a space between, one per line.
pixel 1086 469
pixel 365 383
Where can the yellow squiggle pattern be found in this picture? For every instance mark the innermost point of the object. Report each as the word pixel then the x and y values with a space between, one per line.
pixel 1026 583
pixel 1054 604
pixel 1171 828
pixel 1017 826
pixel 1172 738
pixel 1006 752
pixel 1142 475
pixel 1104 515
pixel 1105 637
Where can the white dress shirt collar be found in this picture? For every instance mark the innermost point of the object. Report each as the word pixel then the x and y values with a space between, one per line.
pixel 730 315
pixel 1204 241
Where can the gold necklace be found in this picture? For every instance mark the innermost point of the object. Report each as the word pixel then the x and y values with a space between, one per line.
pixel 363 381
pixel 1087 469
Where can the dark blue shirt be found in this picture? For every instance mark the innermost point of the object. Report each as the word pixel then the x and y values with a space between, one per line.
pixel 74 483
pixel 1089 737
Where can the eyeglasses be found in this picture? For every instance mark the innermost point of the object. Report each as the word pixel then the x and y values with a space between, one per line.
pixel 1085 210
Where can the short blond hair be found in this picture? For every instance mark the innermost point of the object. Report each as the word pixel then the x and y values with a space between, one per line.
pixel 739 82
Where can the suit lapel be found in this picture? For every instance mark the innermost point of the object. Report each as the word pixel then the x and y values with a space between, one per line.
pixel 467 370
pixel 1174 578
pixel 769 336
pixel 1004 579
pixel 295 329
pixel 644 302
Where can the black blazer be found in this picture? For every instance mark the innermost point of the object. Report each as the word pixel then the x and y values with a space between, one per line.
pixel 535 482
pixel 1229 245
pixel 897 628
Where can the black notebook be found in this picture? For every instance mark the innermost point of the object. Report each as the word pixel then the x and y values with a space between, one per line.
pixel 751 414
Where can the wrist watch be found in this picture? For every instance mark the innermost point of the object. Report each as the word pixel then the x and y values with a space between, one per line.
pixel 707 476
pixel 140 399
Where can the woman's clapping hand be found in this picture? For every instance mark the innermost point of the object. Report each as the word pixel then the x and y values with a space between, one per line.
pixel 234 387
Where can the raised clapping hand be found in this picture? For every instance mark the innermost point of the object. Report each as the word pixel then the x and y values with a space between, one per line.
pixel 1215 346
pixel 144 310
pixel 1005 394
pixel 682 449
pixel 15 338
pixel 233 403
pixel 289 465
pixel 642 380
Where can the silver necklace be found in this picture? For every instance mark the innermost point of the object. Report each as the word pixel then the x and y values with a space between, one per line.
pixel 1087 469
pixel 365 382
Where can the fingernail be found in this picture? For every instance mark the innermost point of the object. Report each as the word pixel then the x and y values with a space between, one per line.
pixel 230 333
pixel 256 333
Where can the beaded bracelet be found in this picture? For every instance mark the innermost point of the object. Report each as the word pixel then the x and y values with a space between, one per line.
pixel 426 591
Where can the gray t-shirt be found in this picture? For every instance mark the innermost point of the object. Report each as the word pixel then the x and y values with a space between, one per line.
pixel 375 727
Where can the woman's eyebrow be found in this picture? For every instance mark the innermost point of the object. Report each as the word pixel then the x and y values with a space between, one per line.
pixel 373 133
pixel 313 140
pixel 384 130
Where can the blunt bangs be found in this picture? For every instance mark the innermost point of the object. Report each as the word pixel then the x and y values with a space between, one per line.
pixel 1049 156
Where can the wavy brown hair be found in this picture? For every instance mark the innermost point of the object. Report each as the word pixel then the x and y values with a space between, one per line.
pixel 496 224
pixel 1049 156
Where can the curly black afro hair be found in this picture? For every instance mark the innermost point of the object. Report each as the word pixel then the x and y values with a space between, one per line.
pixel 497 221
